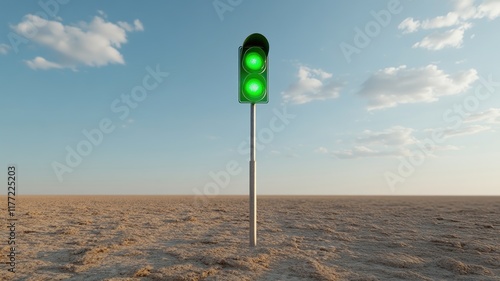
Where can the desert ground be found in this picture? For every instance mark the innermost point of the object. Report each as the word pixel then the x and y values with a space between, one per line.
pixel 300 238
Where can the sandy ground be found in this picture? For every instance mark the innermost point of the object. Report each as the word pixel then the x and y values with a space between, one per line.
pixel 300 238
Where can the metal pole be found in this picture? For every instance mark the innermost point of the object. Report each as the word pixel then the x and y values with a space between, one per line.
pixel 253 177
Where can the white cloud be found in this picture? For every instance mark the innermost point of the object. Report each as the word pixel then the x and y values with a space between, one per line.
pixel 313 84
pixel 363 152
pixel 465 8
pixel 102 13
pixel 463 13
pixel 392 86
pixel 93 44
pixel 464 131
pixel 409 25
pixel 399 141
pixel 41 63
pixel 489 9
pixel 128 27
pixel 490 116
pixel 4 49
pixel 394 141
pixel 394 136
pixel 450 19
pixel 439 40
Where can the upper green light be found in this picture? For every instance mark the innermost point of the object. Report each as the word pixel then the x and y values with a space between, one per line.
pixel 254 60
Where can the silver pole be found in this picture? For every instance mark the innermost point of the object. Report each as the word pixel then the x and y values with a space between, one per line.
pixel 253 177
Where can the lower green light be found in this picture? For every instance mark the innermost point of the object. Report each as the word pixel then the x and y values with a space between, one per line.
pixel 254 88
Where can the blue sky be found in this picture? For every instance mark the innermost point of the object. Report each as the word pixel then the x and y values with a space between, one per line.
pixel 366 97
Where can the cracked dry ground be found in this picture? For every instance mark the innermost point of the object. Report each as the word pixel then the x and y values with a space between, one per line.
pixel 300 238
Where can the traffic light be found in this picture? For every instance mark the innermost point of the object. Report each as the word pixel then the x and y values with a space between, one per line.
pixel 253 67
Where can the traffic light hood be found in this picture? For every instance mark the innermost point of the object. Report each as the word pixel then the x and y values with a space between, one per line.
pixel 256 40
